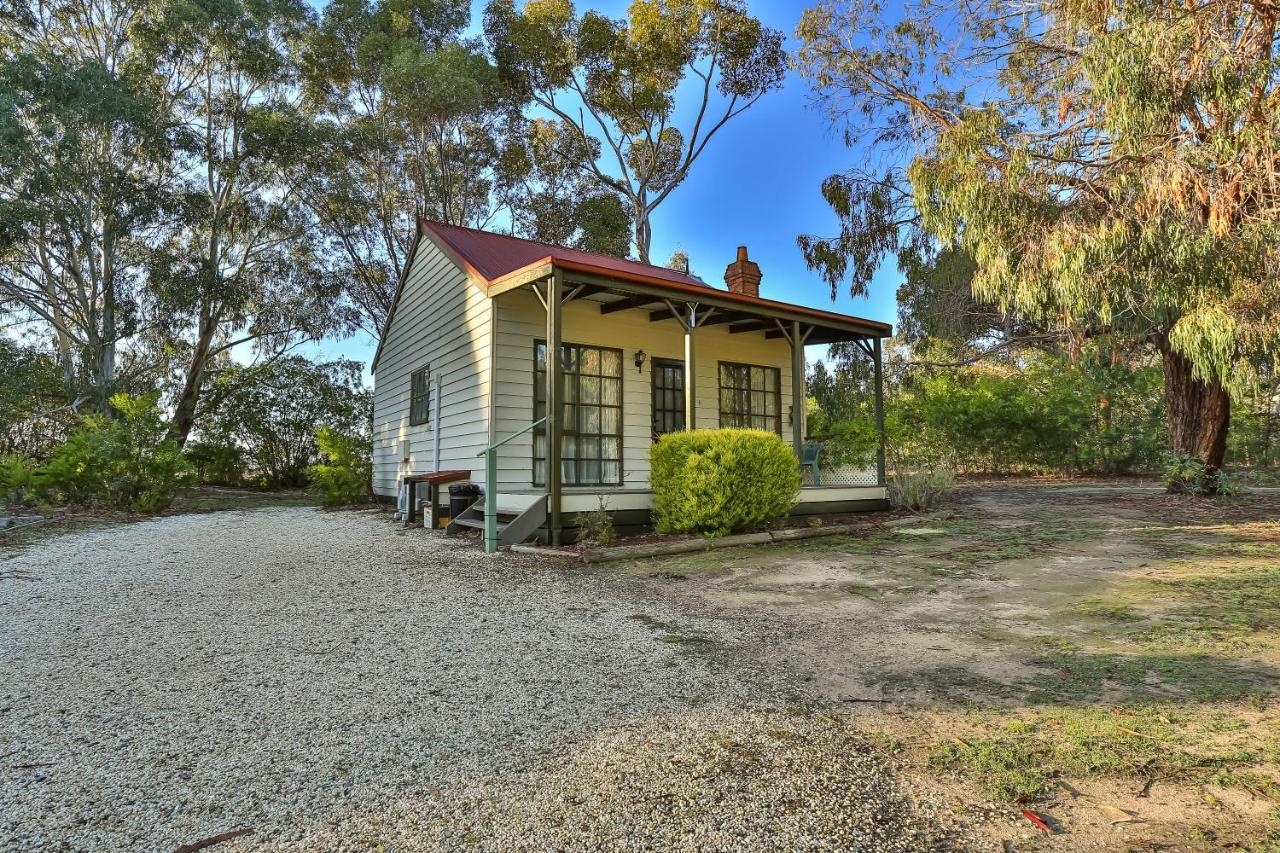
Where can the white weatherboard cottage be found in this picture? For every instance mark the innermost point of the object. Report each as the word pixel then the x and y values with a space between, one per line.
pixel 462 367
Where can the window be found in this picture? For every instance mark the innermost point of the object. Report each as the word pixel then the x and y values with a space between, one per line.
pixel 668 396
pixel 591 452
pixel 750 396
pixel 420 396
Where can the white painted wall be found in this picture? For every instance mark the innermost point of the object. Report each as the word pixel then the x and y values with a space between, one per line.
pixel 522 320
pixel 441 320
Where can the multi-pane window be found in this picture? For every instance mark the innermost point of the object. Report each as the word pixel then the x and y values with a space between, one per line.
pixel 420 396
pixel 750 396
pixel 668 396
pixel 591 452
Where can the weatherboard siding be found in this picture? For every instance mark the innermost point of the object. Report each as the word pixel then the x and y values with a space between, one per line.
pixel 441 321
pixel 522 321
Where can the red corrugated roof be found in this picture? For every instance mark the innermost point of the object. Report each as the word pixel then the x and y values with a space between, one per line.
pixel 493 256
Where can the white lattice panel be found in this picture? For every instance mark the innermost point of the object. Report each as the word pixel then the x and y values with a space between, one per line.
pixel 843 475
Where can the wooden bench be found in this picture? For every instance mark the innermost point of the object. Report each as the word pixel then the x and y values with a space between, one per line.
pixel 433 480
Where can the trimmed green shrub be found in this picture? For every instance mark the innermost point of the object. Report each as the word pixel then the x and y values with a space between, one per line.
pixel 122 462
pixel 346 475
pixel 716 481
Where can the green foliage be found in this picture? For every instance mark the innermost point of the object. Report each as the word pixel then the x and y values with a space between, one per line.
pixel 597 526
pixel 625 75
pixel 218 463
pixel 274 410
pixel 401 117
pixel 346 475
pixel 714 482
pixel 920 490
pixel 1088 187
pixel 34 414
pixel 120 462
pixel 1186 474
pixel 1049 414
pixel 17 480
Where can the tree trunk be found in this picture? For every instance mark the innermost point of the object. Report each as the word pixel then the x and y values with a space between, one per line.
pixel 184 413
pixel 644 232
pixel 1199 413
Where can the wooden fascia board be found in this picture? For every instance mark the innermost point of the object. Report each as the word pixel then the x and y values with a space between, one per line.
pixel 717 298
pixel 395 297
pixel 525 275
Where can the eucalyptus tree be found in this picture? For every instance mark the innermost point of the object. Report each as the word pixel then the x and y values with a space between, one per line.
pixel 550 199
pixel 239 268
pixel 612 85
pixel 404 123
pixel 1111 169
pixel 84 147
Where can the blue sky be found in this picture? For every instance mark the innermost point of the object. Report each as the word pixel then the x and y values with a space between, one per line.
pixel 757 184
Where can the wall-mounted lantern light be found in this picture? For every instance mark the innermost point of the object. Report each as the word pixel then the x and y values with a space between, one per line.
pixel 640 357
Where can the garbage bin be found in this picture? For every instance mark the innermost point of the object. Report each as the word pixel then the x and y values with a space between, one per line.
pixel 461 496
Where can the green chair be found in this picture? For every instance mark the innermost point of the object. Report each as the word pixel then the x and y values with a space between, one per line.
pixel 811 450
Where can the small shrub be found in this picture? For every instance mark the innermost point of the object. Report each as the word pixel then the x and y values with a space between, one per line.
pixel 346 474
pixel 122 462
pixel 1184 473
pixel 717 481
pixel 17 480
pixel 597 526
pixel 920 490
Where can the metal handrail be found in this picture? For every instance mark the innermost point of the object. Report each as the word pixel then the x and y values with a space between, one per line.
pixel 491 487
pixel 533 425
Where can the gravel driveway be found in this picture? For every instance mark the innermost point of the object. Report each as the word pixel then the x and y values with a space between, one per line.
pixel 329 681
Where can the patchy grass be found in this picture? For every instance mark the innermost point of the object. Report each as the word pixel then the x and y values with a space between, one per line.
pixel 1110 611
pixel 1025 757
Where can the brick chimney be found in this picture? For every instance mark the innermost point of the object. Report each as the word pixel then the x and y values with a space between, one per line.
pixel 743 276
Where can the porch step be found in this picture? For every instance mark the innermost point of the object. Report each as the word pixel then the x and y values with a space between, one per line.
pixel 515 525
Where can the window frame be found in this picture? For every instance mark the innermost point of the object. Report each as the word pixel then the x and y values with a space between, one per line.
pixel 656 406
pixel 775 391
pixel 420 398
pixel 572 400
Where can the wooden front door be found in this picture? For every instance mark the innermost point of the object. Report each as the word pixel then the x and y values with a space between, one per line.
pixel 668 396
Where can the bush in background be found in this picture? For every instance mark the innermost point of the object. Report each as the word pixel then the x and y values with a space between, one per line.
pixel 123 462
pixel 17 480
pixel 273 411
pixel 717 481
pixel 346 475
pixel 218 463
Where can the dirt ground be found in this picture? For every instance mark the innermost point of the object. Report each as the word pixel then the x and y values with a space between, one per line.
pixel 1101 656
pixel 1107 657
